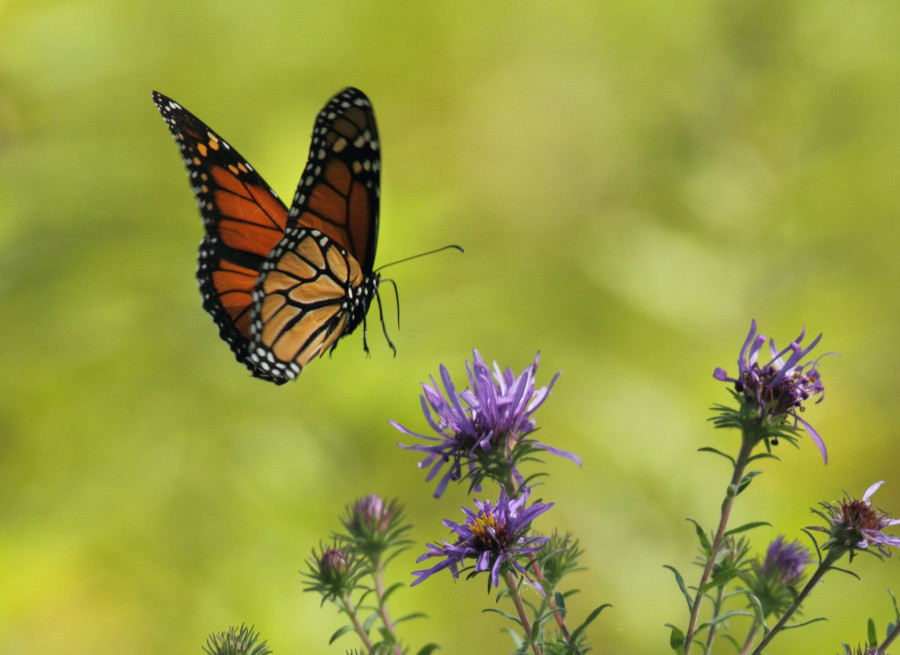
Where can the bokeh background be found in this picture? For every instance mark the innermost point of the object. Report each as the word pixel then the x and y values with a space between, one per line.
pixel 632 183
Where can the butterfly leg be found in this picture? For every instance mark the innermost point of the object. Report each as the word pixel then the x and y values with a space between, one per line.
pixel 383 326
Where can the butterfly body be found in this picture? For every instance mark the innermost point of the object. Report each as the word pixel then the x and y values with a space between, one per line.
pixel 284 286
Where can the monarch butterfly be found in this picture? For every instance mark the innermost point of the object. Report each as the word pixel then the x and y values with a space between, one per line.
pixel 283 286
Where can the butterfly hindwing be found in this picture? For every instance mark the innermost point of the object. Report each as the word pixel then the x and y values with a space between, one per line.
pixel 282 286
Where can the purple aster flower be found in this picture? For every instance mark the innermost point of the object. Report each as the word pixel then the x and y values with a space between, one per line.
pixel 493 535
pixel 785 561
pixel 493 416
pixel 767 582
pixel 781 387
pixel 855 524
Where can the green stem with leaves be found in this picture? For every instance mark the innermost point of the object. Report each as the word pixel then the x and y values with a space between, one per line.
pixel 734 487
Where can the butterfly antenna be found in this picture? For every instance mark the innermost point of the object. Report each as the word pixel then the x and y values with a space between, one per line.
pixel 421 254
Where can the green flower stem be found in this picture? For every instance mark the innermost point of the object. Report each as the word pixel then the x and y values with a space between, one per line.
pixel 378 577
pixel 824 566
pixel 747 443
pixel 520 609
pixel 557 614
pixel 717 607
pixel 349 609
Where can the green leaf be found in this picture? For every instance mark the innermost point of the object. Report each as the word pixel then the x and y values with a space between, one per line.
pixel 514 619
pixel 681 586
pixel 745 527
pixel 701 535
pixel 339 632
pixel 560 600
pixel 873 637
pixel 800 625
pixel 717 452
pixel 676 639
pixel 593 615
pixel 369 621
pixel 746 480
pixel 535 632
pixel 409 617
pixel 427 649
pixel 720 579
pixel 390 590
pixel 516 638
pixel 728 615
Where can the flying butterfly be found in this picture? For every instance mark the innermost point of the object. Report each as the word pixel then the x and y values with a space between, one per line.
pixel 283 286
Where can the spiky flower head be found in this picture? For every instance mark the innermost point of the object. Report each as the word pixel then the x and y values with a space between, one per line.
pixel 774 394
pixel 237 641
pixel 333 571
pixel 770 580
pixel 854 525
pixel 482 431
pixel 559 557
pixel 374 525
pixel 868 649
pixel 494 536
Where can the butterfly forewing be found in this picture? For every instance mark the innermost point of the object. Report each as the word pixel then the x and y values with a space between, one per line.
pixel 243 217
pixel 338 192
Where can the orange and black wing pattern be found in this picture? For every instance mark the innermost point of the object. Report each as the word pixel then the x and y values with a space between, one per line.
pixel 243 217
pixel 318 282
pixel 283 286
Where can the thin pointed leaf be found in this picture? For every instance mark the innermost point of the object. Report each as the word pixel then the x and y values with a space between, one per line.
pixel 593 615
pixel 800 625
pixel 493 610
pixel 428 649
pixel 745 527
pixel 516 638
pixel 720 579
pixel 339 632
pixel 701 535
pixel 717 452
pixel 681 586
pixel 728 615
pixel 410 617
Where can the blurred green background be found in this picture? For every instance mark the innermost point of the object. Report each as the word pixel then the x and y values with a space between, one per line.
pixel 632 182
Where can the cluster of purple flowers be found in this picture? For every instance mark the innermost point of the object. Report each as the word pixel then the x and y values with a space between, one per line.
pixel 480 432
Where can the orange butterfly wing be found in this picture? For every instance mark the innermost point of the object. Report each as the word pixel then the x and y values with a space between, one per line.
pixel 243 217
